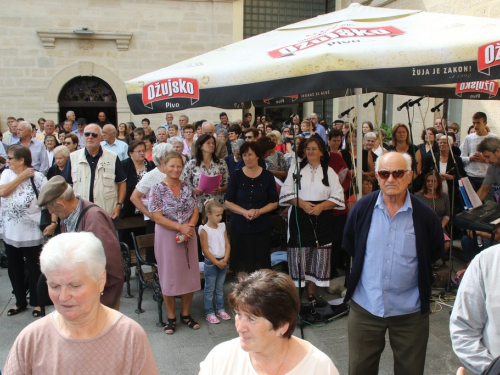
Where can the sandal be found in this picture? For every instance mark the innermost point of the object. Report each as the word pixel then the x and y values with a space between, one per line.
pixel 36 313
pixel 170 327
pixel 190 322
pixel 15 311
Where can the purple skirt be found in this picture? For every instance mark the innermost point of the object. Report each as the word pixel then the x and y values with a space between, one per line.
pixel 176 278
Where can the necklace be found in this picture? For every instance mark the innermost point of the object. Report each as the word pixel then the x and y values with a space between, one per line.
pixel 282 360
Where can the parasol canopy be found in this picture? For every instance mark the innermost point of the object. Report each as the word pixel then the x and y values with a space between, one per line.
pixel 408 52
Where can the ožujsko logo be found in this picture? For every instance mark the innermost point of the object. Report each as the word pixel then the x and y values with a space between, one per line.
pixel 170 88
pixel 340 33
pixel 487 87
pixel 488 56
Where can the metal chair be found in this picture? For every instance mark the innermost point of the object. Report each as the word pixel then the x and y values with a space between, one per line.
pixel 147 280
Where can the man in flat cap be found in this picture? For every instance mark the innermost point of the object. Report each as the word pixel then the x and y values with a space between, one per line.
pixel 79 215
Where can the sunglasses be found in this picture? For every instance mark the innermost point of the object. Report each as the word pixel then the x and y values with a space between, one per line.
pixel 88 134
pixel 397 174
pixel 248 137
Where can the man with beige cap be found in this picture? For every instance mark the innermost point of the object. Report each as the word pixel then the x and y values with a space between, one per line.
pixel 79 215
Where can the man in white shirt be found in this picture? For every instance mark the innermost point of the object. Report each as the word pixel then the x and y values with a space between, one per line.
pixel 110 142
pixel 475 320
pixel 475 163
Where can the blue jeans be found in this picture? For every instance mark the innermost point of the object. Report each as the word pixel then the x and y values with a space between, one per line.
pixel 214 284
pixel 469 246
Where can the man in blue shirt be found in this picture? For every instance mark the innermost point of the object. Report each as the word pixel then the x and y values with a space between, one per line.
pixel 320 130
pixel 110 142
pixel 394 239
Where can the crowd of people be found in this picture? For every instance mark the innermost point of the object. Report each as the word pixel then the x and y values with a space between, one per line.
pixel 188 180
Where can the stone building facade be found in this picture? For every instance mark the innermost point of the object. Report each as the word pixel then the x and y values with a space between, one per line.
pixel 43 48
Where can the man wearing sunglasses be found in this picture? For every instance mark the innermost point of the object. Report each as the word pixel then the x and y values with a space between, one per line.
pixel 97 173
pixel 394 238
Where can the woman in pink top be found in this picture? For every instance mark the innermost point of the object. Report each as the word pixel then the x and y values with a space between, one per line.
pixel 82 335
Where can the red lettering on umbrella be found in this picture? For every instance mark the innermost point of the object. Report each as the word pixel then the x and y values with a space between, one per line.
pixel 342 32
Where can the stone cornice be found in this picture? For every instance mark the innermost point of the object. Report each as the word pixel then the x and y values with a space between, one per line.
pixel 48 37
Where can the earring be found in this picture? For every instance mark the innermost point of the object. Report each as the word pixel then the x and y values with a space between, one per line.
pixel 281 335
pixel 102 293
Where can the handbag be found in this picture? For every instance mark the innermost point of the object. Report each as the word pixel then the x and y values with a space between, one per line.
pixel 45 216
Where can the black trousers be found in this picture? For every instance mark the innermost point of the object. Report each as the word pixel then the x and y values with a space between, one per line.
pixel 17 258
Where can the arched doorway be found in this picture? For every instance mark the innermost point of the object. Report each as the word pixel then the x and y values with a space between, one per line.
pixel 87 96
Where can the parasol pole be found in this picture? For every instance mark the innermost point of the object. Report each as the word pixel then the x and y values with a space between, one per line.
pixel 359 146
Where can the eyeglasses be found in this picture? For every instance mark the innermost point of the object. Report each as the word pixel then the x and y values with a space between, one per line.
pixel 397 174
pixel 248 136
pixel 88 134
pixel 140 151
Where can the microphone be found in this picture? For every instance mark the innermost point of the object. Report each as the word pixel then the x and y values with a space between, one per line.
pixel 346 112
pixel 436 108
pixel 404 105
pixel 290 120
pixel 416 101
pixel 372 100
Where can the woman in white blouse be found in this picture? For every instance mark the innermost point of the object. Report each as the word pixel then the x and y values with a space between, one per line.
pixel 320 192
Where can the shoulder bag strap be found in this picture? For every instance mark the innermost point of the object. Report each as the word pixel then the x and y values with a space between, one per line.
pixel 34 187
pixel 84 211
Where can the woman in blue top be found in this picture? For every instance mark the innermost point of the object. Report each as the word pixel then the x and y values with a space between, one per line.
pixel 251 197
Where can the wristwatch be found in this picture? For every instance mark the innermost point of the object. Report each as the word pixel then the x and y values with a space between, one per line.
pixel 120 204
pixel 54 222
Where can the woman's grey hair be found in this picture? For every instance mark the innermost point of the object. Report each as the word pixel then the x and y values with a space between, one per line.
pixel 174 140
pixel 405 155
pixel 222 131
pixel 370 135
pixel 443 138
pixel 67 250
pixel 159 152
pixel 235 146
pixel 63 150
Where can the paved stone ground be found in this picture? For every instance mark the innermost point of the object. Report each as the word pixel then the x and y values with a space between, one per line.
pixel 181 353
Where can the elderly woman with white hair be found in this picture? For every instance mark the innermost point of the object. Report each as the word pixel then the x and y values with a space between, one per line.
pixel 81 335
pixel 178 145
pixel 140 195
pixel 61 163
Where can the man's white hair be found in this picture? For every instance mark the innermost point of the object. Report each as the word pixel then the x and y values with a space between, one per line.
pixel 405 155
pixel 24 124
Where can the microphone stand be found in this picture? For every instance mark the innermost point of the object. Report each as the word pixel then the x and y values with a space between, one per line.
pixel 296 179
pixel 456 177
pixel 411 140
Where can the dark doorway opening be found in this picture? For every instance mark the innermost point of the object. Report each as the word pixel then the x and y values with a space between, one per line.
pixel 87 96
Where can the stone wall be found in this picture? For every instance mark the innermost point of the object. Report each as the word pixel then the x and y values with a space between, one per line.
pixel 163 32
